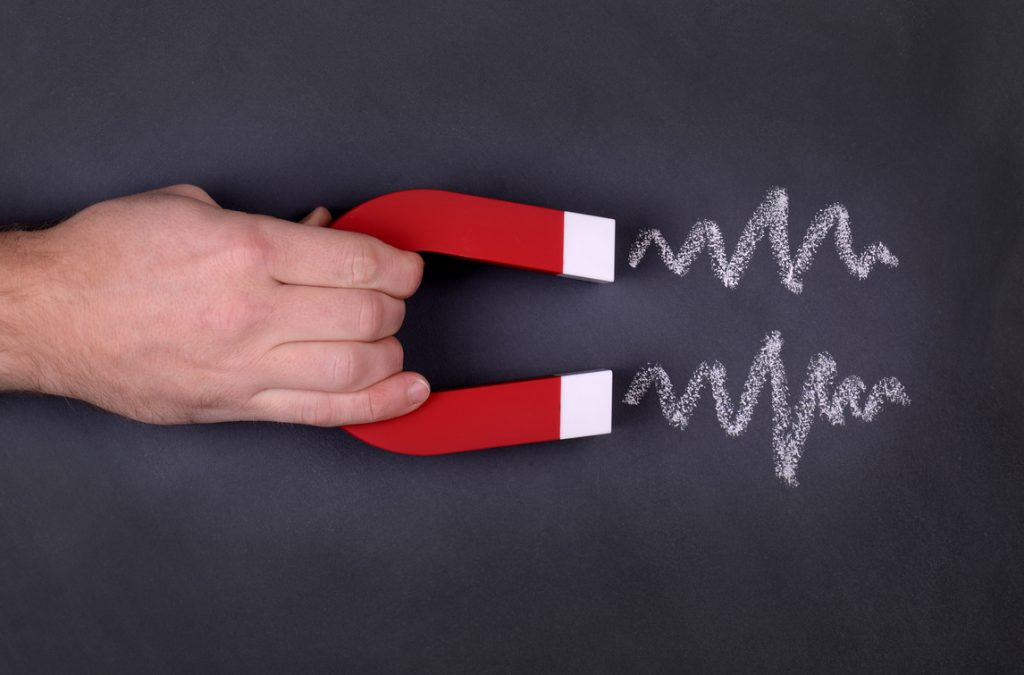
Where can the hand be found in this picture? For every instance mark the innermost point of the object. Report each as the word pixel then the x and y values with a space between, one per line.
pixel 166 308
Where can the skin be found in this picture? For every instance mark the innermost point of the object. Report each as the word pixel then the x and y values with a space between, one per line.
pixel 168 309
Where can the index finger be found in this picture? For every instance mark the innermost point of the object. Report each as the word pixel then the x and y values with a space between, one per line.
pixel 313 256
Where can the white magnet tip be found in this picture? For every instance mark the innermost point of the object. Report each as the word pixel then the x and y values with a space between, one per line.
pixel 588 250
pixel 586 404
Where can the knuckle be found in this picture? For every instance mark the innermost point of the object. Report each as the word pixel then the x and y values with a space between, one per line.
pixel 317 410
pixel 189 190
pixel 342 369
pixel 376 403
pixel 371 314
pixel 234 315
pixel 250 312
pixel 366 263
pixel 248 250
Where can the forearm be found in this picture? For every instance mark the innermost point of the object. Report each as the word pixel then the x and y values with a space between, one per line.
pixel 22 263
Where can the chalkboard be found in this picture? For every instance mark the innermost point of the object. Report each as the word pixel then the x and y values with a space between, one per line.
pixel 894 544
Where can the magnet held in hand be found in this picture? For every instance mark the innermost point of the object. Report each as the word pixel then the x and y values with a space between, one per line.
pixel 502 233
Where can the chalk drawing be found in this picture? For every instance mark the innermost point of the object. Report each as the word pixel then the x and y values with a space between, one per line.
pixel 771 217
pixel 790 424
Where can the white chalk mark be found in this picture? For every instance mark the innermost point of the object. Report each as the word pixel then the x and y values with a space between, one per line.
pixel 790 425
pixel 771 216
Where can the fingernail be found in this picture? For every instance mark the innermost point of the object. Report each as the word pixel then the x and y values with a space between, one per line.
pixel 419 390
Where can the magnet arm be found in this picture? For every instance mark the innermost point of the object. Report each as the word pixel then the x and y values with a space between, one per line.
pixel 510 413
pixel 489 230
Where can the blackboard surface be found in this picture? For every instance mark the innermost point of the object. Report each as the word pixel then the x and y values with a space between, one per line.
pixel 273 548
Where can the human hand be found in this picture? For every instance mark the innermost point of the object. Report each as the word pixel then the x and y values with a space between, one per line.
pixel 168 309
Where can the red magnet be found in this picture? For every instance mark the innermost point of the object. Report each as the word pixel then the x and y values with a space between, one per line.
pixel 502 233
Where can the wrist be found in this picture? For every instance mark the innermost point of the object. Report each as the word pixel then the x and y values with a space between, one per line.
pixel 22 262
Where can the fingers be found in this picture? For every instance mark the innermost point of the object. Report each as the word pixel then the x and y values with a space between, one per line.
pixel 335 362
pixel 319 256
pixel 186 190
pixel 397 395
pixel 329 366
pixel 305 313
pixel 318 217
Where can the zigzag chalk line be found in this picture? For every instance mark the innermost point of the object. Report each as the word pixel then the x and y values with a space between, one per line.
pixel 790 424
pixel 772 217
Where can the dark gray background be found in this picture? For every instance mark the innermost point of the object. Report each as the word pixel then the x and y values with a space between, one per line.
pixel 268 547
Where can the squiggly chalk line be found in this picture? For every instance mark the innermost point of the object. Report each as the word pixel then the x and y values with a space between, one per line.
pixel 790 425
pixel 771 216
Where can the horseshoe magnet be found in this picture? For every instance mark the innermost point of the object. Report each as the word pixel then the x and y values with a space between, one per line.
pixel 513 235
